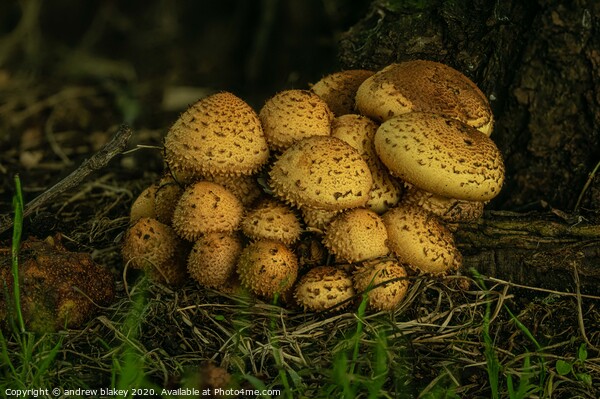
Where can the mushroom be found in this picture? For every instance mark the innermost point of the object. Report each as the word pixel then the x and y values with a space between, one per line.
pixel 143 206
pixel 168 193
pixel 246 188
pixel 359 131
pixel 206 207
pixel 385 280
pixel 317 220
pixel 292 115
pixel 213 258
pixel 356 235
pixel 267 268
pixel 424 86
pixel 272 220
pixel 321 172
pixel 219 134
pixel 419 239
pixel 441 155
pixel 338 89
pixel 323 288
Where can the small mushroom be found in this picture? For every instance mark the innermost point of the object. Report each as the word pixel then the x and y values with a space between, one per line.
pixel 168 193
pixel 272 220
pixel 213 258
pixel 385 280
pixel 323 288
pixel 143 206
pixel 292 115
pixel 338 89
pixel 419 239
pixel 424 86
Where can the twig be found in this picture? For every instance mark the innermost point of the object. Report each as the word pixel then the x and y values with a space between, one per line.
pixel 96 162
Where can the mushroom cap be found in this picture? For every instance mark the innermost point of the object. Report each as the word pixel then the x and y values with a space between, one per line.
pixel 324 287
pixel 441 155
pixel 424 86
pixel 272 220
pixel 206 207
pixel 317 220
pixel 143 205
pixel 267 268
pixel 292 115
pixel 373 273
pixel 246 188
pixel 168 193
pixel 213 259
pixel 420 240
pixel 359 131
pixel 321 172
pixel 219 134
pixel 338 89
pixel 149 243
pixel 356 235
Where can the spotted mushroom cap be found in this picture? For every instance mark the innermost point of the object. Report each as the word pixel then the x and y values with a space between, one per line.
pixel 213 259
pixel 324 287
pixel 424 86
pixel 143 205
pixel 441 155
pixel 338 89
pixel 321 172
pixel 267 268
pixel 148 242
pixel 371 274
pixel 272 220
pixel 292 115
pixel 219 134
pixel 206 207
pixel 359 131
pixel 356 235
pixel 317 220
pixel 419 239
pixel 168 193
pixel 246 188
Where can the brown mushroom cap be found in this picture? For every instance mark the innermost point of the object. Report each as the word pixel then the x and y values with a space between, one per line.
pixel 356 235
pixel 246 188
pixel 359 131
pixel 441 155
pixel 206 207
pixel 143 206
pixel 324 287
pixel 317 220
pixel 219 134
pixel 321 172
pixel 272 220
pixel 213 259
pixel 292 115
pixel 420 240
pixel 373 273
pixel 338 89
pixel 168 193
pixel 267 268
pixel 149 242
pixel 424 86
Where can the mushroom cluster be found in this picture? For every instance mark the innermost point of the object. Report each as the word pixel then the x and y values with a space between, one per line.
pixel 346 188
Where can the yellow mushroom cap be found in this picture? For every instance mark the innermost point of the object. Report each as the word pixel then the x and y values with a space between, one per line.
pixel 317 220
pixel 149 243
pixel 356 235
pixel 424 86
pixel 206 207
pixel 168 193
pixel 441 155
pixel 246 188
pixel 272 220
pixel 372 273
pixel 213 259
pixel 338 89
pixel 267 268
pixel 292 115
pixel 143 206
pixel 324 287
pixel 321 172
pixel 219 134
pixel 420 240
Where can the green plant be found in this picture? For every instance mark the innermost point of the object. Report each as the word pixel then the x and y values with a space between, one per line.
pixel 575 367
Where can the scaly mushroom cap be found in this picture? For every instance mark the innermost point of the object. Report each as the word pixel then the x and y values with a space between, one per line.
pixel 267 268
pixel 143 206
pixel 356 235
pixel 449 210
pixel 373 273
pixel 246 188
pixel 324 287
pixel 317 220
pixel 420 240
pixel 338 89
pixel 292 115
pixel 149 243
pixel 219 134
pixel 206 207
pixel 168 193
pixel 321 172
pixel 359 131
pixel 213 259
pixel 424 86
pixel 272 220
pixel 441 155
